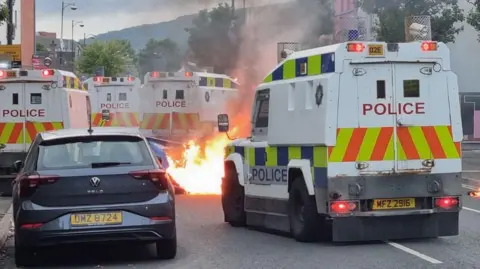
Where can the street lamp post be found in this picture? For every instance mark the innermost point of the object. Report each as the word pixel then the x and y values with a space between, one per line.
pixel 72 6
pixel 75 23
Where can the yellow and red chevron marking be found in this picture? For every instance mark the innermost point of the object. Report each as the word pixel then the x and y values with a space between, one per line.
pixel 122 119
pixel 376 144
pixel 155 121
pixel 185 121
pixel 14 133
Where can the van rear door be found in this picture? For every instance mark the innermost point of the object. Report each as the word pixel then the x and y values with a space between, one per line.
pixel 12 117
pixel 422 117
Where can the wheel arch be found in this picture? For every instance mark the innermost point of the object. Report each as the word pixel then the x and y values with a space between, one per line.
pixel 236 160
pixel 301 168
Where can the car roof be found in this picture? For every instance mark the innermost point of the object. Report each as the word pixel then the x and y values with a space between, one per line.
pixel 97 131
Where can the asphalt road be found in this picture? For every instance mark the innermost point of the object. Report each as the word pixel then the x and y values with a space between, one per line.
pixel 206 242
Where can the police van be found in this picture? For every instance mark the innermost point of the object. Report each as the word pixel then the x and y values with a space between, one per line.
pixel 118 96
pixel 354 141
pixel 184 105
pixel 35 101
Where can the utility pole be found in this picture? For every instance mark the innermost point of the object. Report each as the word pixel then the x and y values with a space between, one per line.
pixel 233 7
pixel 10 26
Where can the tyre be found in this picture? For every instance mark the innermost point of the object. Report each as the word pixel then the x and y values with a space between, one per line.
pixel 25 257
pixel 306 224
pixel 167 248
pixel 233 199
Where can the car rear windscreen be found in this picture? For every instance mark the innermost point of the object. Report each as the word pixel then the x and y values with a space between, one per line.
pixel 92 152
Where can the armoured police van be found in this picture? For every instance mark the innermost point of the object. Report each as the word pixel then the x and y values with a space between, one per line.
pixel 35 101
pixel 353 142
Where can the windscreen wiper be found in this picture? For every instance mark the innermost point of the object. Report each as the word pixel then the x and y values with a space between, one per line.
pixel 107 164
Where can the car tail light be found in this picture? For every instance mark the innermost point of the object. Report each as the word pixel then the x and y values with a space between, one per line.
pixel 31 225
pixel 446 202
pixel 98 79
pixel 156 176
pixel 155 74
pixel 131 79
pixel 342 207
pixel 3 74
pixel 31 182
pixel 160 218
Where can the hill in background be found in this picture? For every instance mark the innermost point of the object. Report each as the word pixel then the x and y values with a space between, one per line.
pixel 139 35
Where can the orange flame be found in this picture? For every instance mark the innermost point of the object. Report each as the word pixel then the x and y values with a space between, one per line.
pixel 200 171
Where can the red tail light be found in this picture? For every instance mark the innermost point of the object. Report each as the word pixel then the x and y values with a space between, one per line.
pixel 48 73
pixel 446 202
pixel 342 207
pixel 31 225
pixel 155 74
pixel 158 177
pixel 98 79
pixel 3 74
pixel 131 79
pixel 355 47
pixel 429 46
pixel 31 182
pixel 160 218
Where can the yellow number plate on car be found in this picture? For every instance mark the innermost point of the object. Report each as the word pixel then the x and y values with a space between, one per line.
pixel 11 74
pixel 92 219
pixel 397 203
pixel 375 50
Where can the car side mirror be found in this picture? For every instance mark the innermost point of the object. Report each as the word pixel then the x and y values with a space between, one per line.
pixel 223 123
pixel 17 166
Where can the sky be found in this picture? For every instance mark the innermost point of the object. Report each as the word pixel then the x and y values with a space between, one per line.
pixel 100 16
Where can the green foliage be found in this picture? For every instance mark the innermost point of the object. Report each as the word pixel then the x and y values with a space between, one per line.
pixel 3 13
pixel 391 14
pixel 213 39
pixel 473 17
pixel 41 48
pixel 113 55
pixel 162 55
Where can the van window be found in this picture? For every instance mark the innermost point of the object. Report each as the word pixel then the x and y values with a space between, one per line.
pixel 381 94
pixel 109 97
pixel 165 94
pixel 15 99
pixel 36 98
pixel 122 96
pixel 179 95
pixel 262 107
pixel 411 88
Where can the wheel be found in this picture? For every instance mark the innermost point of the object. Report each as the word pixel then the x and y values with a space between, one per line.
pixel 306 224
pixel 167 248
pixel 233 198
pixel 24 257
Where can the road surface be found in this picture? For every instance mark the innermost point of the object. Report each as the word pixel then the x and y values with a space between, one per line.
pixel 206 242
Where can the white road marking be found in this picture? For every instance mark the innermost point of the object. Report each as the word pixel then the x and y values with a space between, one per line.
pixel 414 253
pixel 470 171
pixel 471 209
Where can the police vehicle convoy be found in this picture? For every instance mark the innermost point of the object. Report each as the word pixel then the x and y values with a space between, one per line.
pixel 34 101
pixel 118 96
pixel 88 185
pixel 184 105
pixel 353 141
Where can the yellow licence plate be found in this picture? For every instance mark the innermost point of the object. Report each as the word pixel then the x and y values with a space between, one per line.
pixel 93 219
pixel 375 50
pixel 397 203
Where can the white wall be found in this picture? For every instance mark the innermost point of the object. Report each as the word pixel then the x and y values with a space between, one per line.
pixel 465 56
pixel 16 20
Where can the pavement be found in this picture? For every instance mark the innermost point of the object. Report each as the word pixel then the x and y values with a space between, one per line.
pixel 205 241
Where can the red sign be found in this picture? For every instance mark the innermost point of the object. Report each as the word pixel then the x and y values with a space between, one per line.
pixel 24 113
pixel 114 105
pixel 171 104
pixel 389 109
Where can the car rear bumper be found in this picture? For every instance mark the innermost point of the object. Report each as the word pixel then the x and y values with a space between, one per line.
pixel 141 233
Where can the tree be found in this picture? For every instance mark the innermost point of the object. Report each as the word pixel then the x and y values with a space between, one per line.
pixel 392 13
pixel 213 39
pixel 163 55
pixel 473 17
pixel 3 13
pixel 41 48
pixel 111 55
